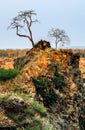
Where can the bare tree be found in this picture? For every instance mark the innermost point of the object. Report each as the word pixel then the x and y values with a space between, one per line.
pixel 59 36
pixel 24 20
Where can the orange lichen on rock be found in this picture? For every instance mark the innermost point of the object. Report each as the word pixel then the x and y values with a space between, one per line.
pixel 61 59
pixel 64 56
pixel 55 56
pixel 82 63
pixel 72 87
pixel 43 62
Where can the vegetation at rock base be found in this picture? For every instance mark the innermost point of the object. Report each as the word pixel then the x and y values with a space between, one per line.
pixel 39 107
pixel 30 118
pixel 8 74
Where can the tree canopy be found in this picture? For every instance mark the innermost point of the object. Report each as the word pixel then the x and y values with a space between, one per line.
pixel 59 36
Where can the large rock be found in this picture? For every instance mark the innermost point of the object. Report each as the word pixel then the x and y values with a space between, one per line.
pixel 14 103
pixel 67 112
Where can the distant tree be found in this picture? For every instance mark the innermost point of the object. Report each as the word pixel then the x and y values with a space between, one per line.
pixel 59 36
pixel 24 20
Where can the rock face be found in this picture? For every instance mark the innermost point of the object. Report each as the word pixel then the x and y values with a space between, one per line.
pixel 66 111
pixel 14 103
pixel 53 78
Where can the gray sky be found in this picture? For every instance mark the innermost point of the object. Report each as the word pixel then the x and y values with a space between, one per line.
pixel 64 14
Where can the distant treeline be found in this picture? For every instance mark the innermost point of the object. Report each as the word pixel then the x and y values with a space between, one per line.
pixel 21 52
pixel 80 51
pixel 13 53
pixel 82 55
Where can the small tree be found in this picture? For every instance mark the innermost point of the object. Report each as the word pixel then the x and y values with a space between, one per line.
pixel 24 20
pixel 59 36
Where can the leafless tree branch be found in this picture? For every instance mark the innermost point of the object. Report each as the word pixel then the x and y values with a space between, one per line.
pixel 22 20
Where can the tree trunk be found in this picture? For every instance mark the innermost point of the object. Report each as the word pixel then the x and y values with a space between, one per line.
pixel 31 40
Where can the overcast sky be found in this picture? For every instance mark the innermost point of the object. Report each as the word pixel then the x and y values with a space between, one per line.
pixel 64 14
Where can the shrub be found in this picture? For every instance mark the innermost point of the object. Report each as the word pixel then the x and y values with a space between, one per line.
pixel 40 85
pixel 29 111
pixel 8 74
pixel 58 81
pixel 45 87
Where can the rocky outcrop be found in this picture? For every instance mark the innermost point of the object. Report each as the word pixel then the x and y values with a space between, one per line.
pixel 21 61
pixel 53 78
pixel 67 109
